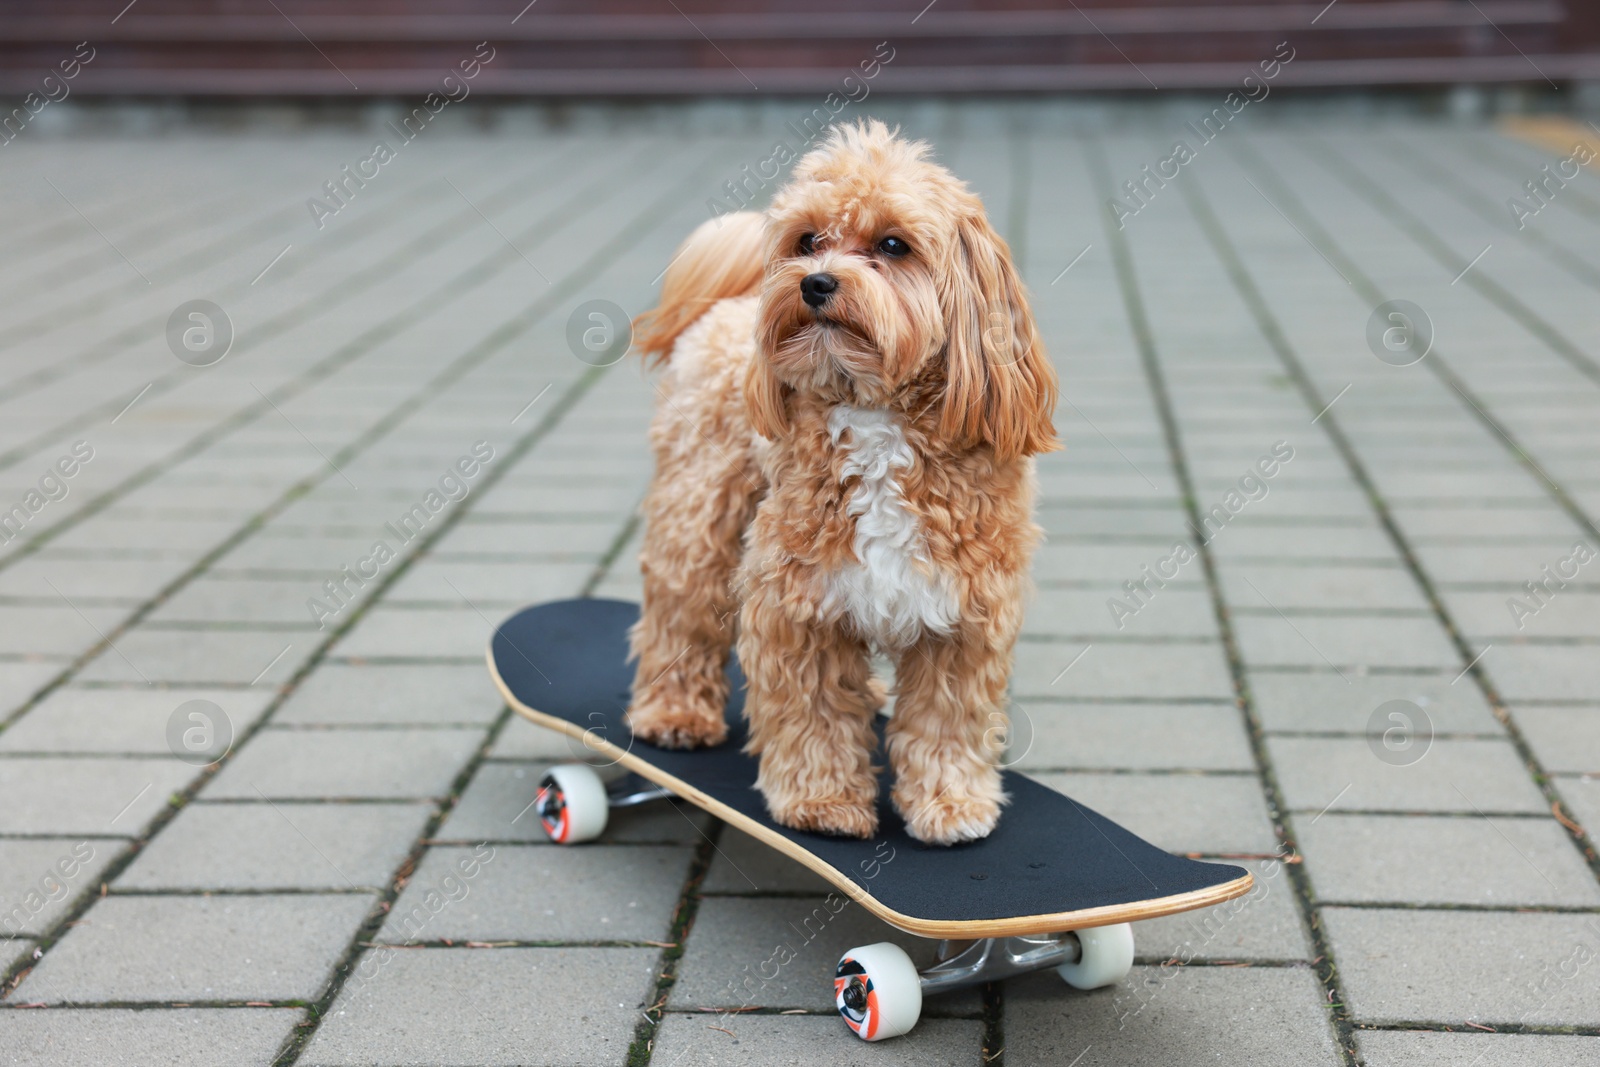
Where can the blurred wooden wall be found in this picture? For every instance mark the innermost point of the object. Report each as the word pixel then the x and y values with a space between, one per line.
pixel 664 47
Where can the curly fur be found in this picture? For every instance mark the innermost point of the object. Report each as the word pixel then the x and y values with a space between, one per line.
pixel 835 480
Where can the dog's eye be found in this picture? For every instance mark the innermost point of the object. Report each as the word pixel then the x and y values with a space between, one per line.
pixel 893 246
pixel 808 244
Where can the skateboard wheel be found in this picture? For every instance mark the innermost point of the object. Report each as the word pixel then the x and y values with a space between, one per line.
pixel 1106 957
pixel 572 804
pixel 877 991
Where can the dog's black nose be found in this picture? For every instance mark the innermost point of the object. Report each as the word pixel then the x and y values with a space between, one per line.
pixel 816 288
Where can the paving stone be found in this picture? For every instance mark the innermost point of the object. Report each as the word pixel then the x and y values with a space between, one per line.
pixel 126 720
pixel 20 681
pixel 687 1040
pixel 40 879
pixel 352 694
pixel 502 585
pixel 1264 924
pixel 1209 814
pixel 1346 774
pixel 510 892
pixel 1457 860
pixel 1463 966
pixel 1582 798
pixel 60 630
pixel 118 1037
pixel 781 953
pixel 1243 540
pixel 1106 564
pixel 486 1008
pixel 1268 640
pixel 1128 737
pixel 1323 701
pixel 88 795
pixel 243 600
pixel 1544 672
pixel 1071 520
pixel 495 807
pixel 744 865
pixel 202 657
pixel 1563 739
pixel 432 633
pixel 1296 587
pixel 400 763
pixel 1250 1017
pixel 1489 617
pixel 1162 671
pixel 1425 1048
pixel 47 575
pixel 1174 612
pixel 285 845
pixel 1511 563
pixel 199 948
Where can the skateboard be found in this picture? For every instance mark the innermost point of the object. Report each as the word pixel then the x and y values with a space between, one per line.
pixel 1054 885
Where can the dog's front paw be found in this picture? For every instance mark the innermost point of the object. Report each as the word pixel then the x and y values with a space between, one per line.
pixel 838 815
pixel 947 817
pixel 669 722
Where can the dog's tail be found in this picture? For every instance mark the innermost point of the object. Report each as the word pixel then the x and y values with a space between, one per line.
pixel 722 258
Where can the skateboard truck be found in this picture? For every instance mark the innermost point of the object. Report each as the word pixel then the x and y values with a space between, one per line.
pixel 633 789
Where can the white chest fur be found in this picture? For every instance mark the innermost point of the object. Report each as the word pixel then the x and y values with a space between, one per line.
pixel 892 591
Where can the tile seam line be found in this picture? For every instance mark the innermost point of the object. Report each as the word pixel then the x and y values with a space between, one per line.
pixel 1272 333
pixel 1335 1005
pixel 608 253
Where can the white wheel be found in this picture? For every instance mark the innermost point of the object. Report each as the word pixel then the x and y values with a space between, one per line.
pixel 1106 959
pixel 572 804
pixel 877 991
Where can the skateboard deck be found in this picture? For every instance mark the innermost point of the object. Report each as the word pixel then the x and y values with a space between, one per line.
pixel 1050 865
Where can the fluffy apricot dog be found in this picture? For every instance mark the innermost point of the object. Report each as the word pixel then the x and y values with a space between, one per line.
pixel 854 391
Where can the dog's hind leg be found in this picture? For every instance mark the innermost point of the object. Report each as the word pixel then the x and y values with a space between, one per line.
pixel 699 503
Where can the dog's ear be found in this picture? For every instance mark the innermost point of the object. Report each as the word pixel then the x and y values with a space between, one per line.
pixel 1001 387
pixel 764 398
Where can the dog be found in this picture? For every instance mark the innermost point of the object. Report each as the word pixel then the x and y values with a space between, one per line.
pixel 854 391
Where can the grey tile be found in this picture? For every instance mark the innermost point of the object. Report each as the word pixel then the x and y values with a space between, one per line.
pixel 128 720
pixel 1582 798
pixel 1563 739
pixel 119 1037
pixel 1544 672
pixel 284 845
pixel 1422 860
pixel 1455 966
pixel 502 585
pixel 1378 641
pixel 1425 1048
pixel 1346 774
pixel 1128 737
pixel 510 892
pixel 432 632
pixel 87 795
pixel 59 630
pixel 1172 612
pixel 393 693
pixel 199 948
pixel 1323 701
pixel 400 763
pixel 40 879
pixel 202 657
pixel 1209 814
pixel 1158 671
pixel 1250 1017
pixel 688 1040
pixel 1287 587
pixel 1264 924
pixel 481 1008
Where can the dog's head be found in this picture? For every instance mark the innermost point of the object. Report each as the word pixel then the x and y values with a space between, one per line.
pixel 884 279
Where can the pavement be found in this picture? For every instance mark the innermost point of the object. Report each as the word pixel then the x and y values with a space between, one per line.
pixel 1320 593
